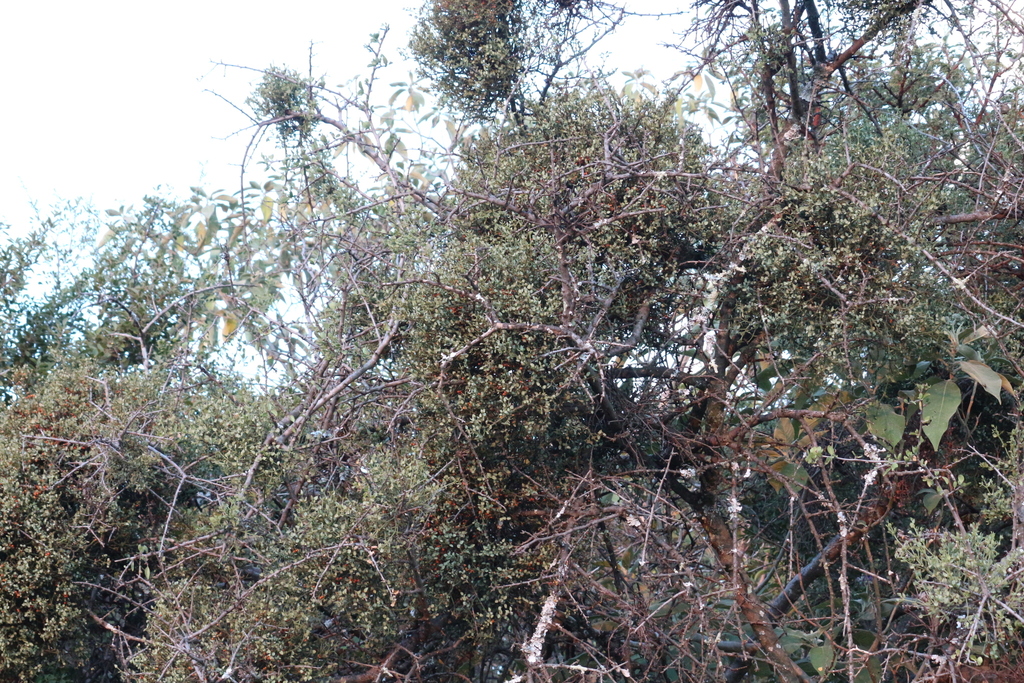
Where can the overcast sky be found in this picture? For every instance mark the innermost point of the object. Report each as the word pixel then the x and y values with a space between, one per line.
pixel 107 100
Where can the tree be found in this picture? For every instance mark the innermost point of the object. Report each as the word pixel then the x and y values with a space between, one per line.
pixel 583 392
pixel 485 56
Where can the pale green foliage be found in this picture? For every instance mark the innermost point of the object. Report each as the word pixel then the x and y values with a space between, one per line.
pixel 829 278
pixel 284 92
pixel 56 485
pixel 474 51
pixel 486 57
pixel 968 579
pixel 583 394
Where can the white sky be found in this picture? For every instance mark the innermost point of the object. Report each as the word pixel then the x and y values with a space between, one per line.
pixel 108 100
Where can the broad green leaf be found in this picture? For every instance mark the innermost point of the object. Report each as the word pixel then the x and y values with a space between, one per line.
pixel 663 609
pixel 766 371
pixel 968 352
pixel 872 673
pixel 821 658
pixel 791 644
pixel 979 333
pixel 105 237
pixel 864 639
pixel 940 403
pixel 235 233
pixel 785 431
pixel 921 368
pixel 886 423
pixel 796 474
pixel 931 499
pixel 267 208
pixel 988 378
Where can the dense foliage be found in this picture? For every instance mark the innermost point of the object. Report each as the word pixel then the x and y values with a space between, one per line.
pixel 705 380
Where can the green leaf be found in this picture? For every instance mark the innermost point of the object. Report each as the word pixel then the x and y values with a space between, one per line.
pixel 863 639
pixel 968 352
pixel 921 368
pixel 791 644
pixel 988 378
pixel 796 474
pixel 785 431
pixel 979 333
pixel 401 149
pixel 821 658
pixel 663 609
pixel 105 237
pixel 931 499
pixel 801 476
pixel 764 377
pixel 872 673
pixel 885 423
pixel 230 325
pixel 940 403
